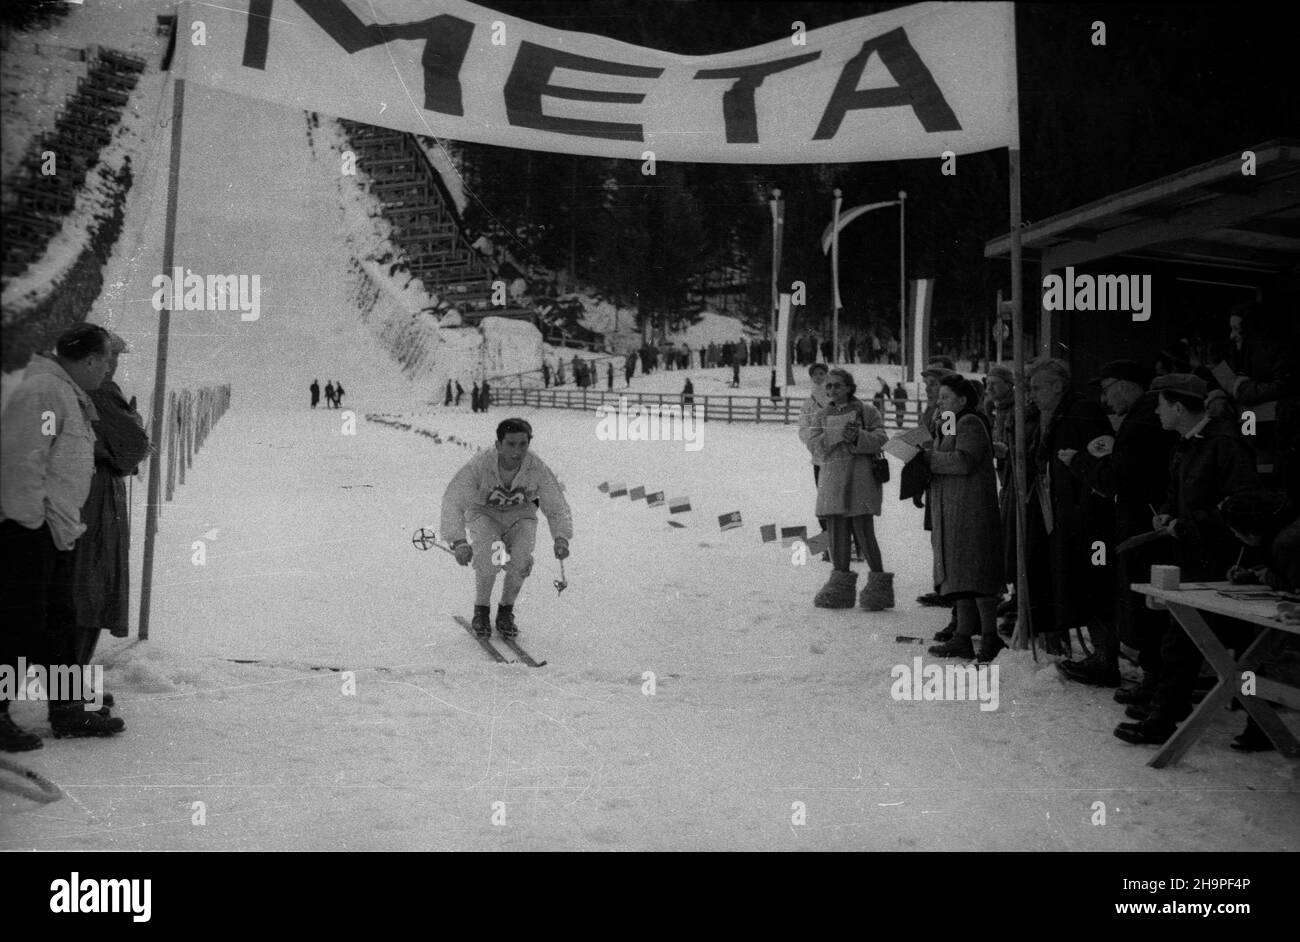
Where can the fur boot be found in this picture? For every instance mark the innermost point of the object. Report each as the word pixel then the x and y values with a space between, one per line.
pixel 878 593
pixel 839 591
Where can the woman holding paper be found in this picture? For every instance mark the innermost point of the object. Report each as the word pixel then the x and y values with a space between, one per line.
pixel 967 527
pixel 844 436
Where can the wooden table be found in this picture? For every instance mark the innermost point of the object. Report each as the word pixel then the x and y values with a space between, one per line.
pixel 1186 604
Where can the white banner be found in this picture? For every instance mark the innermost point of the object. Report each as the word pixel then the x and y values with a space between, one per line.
pixel 910 83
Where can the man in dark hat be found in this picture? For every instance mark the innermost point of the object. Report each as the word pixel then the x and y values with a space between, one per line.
pixel 1132 468
pixel 1210 462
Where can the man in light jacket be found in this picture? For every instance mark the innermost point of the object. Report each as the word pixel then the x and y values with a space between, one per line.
pixel 494 499
pixel 47 459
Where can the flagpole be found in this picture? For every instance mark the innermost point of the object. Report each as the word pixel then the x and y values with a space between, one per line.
pixel 902 283
pixel 835 277
pixel 1024 633
pixel 160 375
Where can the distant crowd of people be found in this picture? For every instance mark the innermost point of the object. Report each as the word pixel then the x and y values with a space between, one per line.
pixel 333 394
pixel 1172 458
pixel 69 439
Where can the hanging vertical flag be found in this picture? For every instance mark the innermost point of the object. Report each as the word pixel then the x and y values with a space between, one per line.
pixel 655 500
pixel 790 534
pixel 922 293
pixel 637 493
pixel 730 521
pixel 618 490
pixel 768 532
pixel 679 505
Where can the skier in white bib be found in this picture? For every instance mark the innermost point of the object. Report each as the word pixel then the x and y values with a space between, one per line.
pixel 494 500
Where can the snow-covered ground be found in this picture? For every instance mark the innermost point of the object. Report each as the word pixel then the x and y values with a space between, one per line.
pixel 760 699
pixel 765 711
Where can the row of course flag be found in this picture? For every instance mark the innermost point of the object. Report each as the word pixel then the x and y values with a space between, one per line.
pixel 730 521
pixel 391 422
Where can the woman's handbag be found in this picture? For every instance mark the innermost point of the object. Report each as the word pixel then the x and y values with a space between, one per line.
pixel 880 468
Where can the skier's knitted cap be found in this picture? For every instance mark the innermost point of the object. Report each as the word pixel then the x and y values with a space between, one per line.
pixel 1003 373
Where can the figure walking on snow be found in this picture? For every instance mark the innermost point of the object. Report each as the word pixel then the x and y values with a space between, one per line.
pixel 460 392
pixel 338 395
pixel 315 392
pixel 329 395
pixel 494 498
pixel 446 400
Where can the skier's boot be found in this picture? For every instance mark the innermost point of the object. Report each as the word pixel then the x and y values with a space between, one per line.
pixel 840 591
pixel 878 593
pixel 482 622
pixel 70 719
pixel 13 738
pixel 506 626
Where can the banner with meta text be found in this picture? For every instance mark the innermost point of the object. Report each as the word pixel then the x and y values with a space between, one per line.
pixel 909 83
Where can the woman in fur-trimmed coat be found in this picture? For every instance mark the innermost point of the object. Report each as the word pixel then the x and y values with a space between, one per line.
pixel 966 526
pixel 845 436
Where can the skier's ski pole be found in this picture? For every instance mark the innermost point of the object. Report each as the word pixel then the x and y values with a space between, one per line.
pixel 561 583
pixel 422 539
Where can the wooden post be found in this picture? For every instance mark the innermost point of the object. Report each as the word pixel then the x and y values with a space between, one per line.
pixel 160 374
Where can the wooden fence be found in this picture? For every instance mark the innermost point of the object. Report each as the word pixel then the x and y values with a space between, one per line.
pixel 710 408
pixel 191 415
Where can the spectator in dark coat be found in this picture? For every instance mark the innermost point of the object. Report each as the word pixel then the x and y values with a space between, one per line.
pixel 609 375
pixel 629 367
pixel 1131 468
pixel 966 527
pixel 546 375
pixel 1210 463
pixel 102 554
pixel 338 395
pixel 688 393
pixel 329 395
pixel 1262 374
pixel 475 401
pixel 485 397
pixel 1063 516
pixel 460 391
pixel 314 388
pixel 1267 520
pixel 447 398
pixel 900 402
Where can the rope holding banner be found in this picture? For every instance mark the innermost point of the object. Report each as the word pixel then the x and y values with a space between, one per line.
pixel 44 791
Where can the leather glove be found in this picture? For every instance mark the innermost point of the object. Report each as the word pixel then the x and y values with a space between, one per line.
pixel 561 548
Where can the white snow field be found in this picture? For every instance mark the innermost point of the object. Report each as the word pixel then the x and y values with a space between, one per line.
pixel 760 700
pixel 771 723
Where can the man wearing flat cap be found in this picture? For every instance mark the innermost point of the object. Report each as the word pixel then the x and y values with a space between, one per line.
pixel 1132 469
pixel 1211 461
